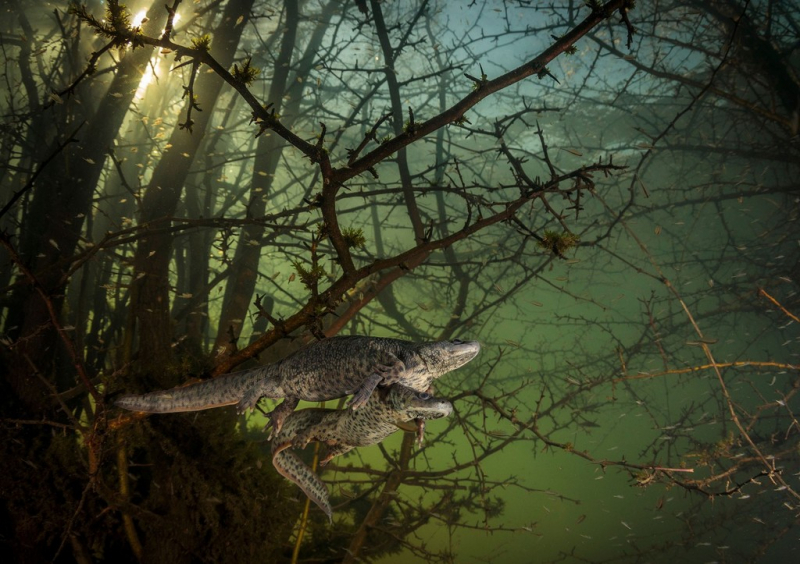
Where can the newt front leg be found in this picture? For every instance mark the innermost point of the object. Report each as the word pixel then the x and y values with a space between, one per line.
pixel 385 375
pixel 278 415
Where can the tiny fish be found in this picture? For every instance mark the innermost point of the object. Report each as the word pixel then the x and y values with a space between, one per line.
pixel 347 493
pixel 701 342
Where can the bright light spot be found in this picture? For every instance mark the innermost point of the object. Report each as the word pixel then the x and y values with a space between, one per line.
pixel 174 22
pixel 147 78
pixel 139 18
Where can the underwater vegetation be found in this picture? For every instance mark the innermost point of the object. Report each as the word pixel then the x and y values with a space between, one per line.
pixel 603 194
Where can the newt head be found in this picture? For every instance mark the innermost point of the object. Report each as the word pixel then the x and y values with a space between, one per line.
pixel 443 356
pixel 411 404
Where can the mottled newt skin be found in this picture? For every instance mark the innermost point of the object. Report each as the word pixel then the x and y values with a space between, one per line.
pixel 343 430
pixel 325 370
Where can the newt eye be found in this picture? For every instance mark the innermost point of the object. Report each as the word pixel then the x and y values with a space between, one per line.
pixel 424 396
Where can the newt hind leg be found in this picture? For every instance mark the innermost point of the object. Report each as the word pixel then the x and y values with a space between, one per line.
pixel 334 451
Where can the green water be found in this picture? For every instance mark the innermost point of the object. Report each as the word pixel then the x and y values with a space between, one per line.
pixel 635 399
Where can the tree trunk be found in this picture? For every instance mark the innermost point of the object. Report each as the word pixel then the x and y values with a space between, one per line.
pixel 151 294
pixel 244 271
pixel 60 202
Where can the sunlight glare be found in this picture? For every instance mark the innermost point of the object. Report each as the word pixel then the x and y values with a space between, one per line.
pixel 147 78
pixel 174 21
pixel 138 20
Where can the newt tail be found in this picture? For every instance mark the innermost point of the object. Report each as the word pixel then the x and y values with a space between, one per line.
pixel 224 390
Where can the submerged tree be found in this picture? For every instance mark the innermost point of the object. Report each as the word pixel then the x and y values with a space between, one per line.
pixel 223 182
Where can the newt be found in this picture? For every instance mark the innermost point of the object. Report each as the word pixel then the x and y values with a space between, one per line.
pixel 325 370
pixel 344 429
